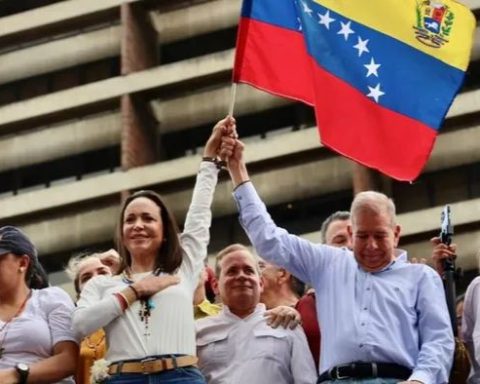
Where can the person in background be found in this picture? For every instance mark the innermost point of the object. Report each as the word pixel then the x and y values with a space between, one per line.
pixel 111 259
pixel 237 345
pixel 203 307
pixel 279 286
pixel 147 310
pixel 81 270
pixel 37 344
pixel 334 230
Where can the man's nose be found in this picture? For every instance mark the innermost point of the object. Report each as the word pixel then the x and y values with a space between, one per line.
pixel 241 275
pixel 372 243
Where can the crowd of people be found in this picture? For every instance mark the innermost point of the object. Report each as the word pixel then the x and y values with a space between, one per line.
pixel 351 309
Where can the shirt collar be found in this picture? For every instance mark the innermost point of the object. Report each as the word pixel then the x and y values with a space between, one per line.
pixel 400 259
pixel 260 308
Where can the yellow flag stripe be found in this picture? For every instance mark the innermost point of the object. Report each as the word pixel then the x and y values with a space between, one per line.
pixel 398 19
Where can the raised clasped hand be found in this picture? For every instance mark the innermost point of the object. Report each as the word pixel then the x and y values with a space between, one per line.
pixel 224 128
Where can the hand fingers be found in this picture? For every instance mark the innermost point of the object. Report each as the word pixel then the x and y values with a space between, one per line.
pixel 296 321
pixel 274 321
pixel 228 146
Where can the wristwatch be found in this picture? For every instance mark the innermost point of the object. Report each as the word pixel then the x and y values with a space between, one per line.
pixel 23 370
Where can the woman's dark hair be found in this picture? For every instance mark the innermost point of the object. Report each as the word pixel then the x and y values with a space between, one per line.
pixel 14 240
pixel 170 255
pixel 39 277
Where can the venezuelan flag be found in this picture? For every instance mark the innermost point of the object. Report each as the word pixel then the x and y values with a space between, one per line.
pixel 381 74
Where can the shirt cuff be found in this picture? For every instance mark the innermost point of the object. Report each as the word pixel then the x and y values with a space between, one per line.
pixel 245 194
pixel 422 376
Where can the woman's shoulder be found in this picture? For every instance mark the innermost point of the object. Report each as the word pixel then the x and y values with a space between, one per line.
pixel 52 296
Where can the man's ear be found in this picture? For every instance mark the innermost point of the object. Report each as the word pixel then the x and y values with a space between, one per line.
pixel 283 276
pixel 261 283
pixel 214 284
pixel 396 233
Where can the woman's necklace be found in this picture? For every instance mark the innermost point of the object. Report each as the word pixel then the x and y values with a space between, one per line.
pixel 5 327
pixel 146 304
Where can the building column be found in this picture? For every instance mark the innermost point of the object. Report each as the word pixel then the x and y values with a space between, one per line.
pixel 365 179
pixel 138 52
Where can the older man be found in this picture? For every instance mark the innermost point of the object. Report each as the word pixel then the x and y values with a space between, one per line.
pixel 237 346
pixel 383 320
pixel 280 287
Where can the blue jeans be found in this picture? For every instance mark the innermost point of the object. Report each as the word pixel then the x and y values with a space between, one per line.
pixel 190 375
pixel 365 381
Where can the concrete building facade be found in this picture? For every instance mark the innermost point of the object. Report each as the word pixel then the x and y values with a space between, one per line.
pixel 98 98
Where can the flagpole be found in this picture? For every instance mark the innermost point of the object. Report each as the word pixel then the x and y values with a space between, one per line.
pixel 233 95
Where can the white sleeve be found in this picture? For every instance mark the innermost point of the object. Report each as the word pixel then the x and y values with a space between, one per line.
pixel 94 309
pixel 196 233
pixel 471 322
pixel 58 307
pixel 302 364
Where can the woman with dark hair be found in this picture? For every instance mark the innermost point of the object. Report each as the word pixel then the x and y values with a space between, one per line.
pixel 146 310
pixel 36 341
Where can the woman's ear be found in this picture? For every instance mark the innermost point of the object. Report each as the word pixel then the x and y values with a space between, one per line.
pixel 24 262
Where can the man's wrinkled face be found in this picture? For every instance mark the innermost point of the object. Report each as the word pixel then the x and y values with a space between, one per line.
pixel 374 238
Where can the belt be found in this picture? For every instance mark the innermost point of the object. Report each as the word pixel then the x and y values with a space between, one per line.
pixel 152 365
pixel 365 370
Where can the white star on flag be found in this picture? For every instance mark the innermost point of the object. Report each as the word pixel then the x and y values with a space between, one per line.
pixel 372 68
pixel 299 24
pixel 306 9
pixel 345 30
pixel 361 46
pixel 375 92
pixel 325 19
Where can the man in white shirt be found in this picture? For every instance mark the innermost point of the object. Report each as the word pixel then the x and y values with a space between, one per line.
pixel 237 346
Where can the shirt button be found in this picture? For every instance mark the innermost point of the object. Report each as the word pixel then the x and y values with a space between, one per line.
pixel 368 288
pixel 363 324
pixel 361 345
pixel 365 308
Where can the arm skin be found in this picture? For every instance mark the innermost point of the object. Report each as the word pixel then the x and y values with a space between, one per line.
pixel 62 364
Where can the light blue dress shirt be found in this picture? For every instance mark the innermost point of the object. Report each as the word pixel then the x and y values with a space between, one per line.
pixel 397 315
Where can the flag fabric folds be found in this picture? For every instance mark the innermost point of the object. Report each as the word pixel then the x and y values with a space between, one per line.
pixel 381 74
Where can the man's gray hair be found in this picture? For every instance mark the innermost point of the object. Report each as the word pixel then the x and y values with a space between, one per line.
pixel 373 201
